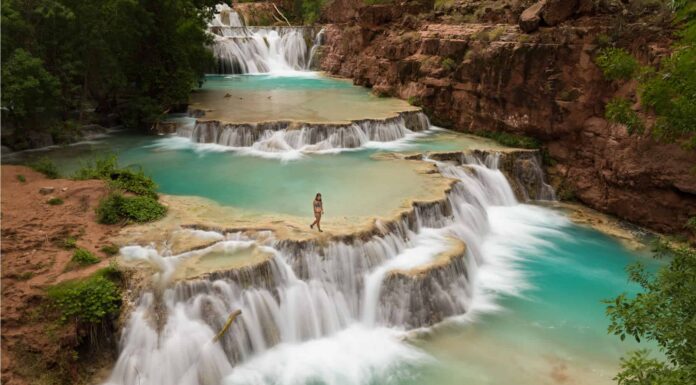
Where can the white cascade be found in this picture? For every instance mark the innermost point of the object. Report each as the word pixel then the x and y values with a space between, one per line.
pixel 323 302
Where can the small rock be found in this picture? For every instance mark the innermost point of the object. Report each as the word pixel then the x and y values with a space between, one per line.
pixel 227 95
pixel 64 189
pixel 46 190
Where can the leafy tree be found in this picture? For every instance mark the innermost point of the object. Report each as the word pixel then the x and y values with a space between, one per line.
pixel 138 58
pixel 664 312
pixel 28 90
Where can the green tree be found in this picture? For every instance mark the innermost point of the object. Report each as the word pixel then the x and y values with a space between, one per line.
pixel 29 92
pixel 663 312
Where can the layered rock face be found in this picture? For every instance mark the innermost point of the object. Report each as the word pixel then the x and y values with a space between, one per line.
pixel 472 68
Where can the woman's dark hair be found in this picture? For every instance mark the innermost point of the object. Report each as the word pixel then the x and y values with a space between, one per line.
pixel 317 196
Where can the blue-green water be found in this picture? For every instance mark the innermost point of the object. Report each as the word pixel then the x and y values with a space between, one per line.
pixel 353 183
pixel 272 82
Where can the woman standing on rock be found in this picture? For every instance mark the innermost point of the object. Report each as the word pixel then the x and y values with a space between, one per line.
pixel 318 211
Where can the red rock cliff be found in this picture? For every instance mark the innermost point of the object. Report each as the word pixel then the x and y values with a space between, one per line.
pixel 472 68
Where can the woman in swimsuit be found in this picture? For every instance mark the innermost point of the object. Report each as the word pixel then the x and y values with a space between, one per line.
pixel 318 210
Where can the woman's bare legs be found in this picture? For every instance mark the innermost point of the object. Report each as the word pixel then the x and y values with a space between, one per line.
pixel 317 222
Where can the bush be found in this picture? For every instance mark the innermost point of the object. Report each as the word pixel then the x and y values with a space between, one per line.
pixel 21 178
pixel 414 101
pixel 616 63
pixel 88 301
pixel 118 208
pixel 70 243
pixel 55 201
pixel 449 64
pixel 109 249
pixel 619 110
pixel 82 257
pixel 121 178
pixel 46 167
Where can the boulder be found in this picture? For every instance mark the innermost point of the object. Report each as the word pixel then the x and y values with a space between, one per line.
pixel 556 11
pixel 547 12
pixel 531 17
pixel 46 190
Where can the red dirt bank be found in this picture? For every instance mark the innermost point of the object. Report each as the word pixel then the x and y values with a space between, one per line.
pixel 33 256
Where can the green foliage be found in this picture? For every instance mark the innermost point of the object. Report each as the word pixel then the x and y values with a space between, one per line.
pixel 46 167
pixel 107 168
pixel 671 91
pixel 311 10
pixel 29 92
pixel 510 140
pixel 414 101
pixel 618 110
pixel 117 208
pixel 70 243
pixel 691 224
pixel 663 312
pixel 109 249
pixel 82 257
pixel 449 64
pixel 21 178
pixel 88 301
pixel 135 58
pixel 616 63
pixel 55 201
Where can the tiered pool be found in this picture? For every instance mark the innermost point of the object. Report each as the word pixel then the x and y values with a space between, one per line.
pixel 535 317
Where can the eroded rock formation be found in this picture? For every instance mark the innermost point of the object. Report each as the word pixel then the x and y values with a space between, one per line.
pixel 472 68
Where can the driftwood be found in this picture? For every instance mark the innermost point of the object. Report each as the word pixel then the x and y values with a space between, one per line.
pixel 230 319
pixel 281 14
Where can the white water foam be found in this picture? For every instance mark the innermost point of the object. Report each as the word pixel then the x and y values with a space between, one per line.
pixel 325 319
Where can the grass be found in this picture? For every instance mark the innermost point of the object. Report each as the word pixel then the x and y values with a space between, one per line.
pixel 82 257
pixel 109 249
pixel 449 64
pixel 70 243
pixel 117 208
pixel 414 101
pixel 46 167
pixel 123 178
pixel 87 301
pixel 21 178
pixel 55 201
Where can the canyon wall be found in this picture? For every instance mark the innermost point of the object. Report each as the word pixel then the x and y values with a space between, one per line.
pixel 472 68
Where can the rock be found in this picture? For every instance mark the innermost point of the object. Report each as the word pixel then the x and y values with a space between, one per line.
pixel 5 150
pixel 227 95
pixel 556 11
pixel 64 189
pixel 531 17
pixel 46 190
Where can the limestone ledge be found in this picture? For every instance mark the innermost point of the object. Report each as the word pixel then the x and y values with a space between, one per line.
pixel 412 117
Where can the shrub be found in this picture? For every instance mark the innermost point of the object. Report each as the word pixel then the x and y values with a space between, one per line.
pixel 55 201
pixel 616 63
pixel 619 110
pixel 82 257
pixel 449 64
pixel 117 208
pixel 109 249
pixel 21 178
pixel 414 101
pixel 107 168
pixel 70 243
pixel 87 301
pixel 46 167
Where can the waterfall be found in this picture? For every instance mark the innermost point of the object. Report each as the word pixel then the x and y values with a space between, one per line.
pixel 307 295
pixel 318 42
pixel 240 49
pixel 287 138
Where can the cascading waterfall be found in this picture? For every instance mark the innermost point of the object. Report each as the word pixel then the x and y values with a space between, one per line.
pixel 314 295
pixel 286 138
pixel 249 50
